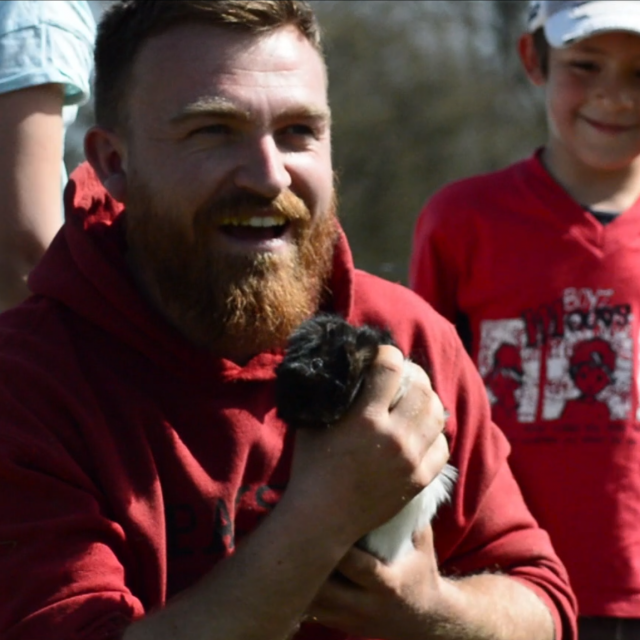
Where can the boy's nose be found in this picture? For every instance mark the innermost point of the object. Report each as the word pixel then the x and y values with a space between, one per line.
pixel 262 168
pixel 617 93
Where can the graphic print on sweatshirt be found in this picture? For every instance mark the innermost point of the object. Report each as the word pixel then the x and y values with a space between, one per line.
pixel 201 530
pixel 561 371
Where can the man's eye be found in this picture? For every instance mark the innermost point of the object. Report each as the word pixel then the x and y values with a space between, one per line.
pixel 303 130
pixel 212 129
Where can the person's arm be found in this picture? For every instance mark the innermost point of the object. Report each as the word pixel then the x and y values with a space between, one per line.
pixel 411 600
pixel 345 481
pixel 31 139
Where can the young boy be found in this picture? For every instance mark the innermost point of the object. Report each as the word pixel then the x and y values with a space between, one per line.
pixel 539 267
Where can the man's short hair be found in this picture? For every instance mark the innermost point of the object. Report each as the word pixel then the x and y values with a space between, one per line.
pixel 126 24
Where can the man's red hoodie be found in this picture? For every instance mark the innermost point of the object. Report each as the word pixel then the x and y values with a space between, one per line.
pixel 131 462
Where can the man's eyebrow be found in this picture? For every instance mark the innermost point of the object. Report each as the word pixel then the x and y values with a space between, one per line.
pixel 222 108
pixel 218 107
pixel 307 113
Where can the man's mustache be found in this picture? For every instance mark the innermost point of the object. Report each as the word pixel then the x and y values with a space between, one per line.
pixel 244 204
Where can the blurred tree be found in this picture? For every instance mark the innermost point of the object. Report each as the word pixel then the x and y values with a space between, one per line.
pixel 422 93
pixel 509 19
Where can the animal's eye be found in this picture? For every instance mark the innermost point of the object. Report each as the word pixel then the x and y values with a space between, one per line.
pixel 317 364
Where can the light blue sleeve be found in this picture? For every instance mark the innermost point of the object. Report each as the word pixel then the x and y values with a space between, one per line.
pixel 47 41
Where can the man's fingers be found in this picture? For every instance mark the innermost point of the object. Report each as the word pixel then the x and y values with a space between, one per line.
pixel 433 461
pixel 360 567
pixel 333 601
pixel 418 409
pixel 382 381
pixel 423 539
pixel 419 398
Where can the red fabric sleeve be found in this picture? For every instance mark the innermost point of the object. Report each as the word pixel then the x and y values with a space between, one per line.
pixel 491 528
pixel 61 558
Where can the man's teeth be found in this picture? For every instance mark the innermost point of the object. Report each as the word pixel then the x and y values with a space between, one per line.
pixel 257 221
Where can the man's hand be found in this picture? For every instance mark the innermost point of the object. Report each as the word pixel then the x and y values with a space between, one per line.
pixel 362 470
pixel 409 599
pixel 368 598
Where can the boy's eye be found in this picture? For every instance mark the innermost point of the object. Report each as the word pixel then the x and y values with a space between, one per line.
pixel 584 65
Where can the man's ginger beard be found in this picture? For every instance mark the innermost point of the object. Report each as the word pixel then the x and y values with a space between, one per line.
pixel 233 305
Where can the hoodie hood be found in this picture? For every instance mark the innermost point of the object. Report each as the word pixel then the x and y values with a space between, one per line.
pixel 85 270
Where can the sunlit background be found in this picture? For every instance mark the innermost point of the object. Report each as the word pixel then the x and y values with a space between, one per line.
pixel 422 92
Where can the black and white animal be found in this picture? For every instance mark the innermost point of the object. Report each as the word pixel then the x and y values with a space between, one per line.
pixel 322 371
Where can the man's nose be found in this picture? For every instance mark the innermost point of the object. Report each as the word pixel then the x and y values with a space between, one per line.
pixel 262 168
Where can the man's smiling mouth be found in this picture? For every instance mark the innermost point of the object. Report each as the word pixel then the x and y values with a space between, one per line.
pixel 255 228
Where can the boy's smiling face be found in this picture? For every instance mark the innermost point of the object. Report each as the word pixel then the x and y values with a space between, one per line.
pixel 593 104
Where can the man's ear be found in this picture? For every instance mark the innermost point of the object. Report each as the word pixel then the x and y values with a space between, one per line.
pixel 531 60
pixel 106 153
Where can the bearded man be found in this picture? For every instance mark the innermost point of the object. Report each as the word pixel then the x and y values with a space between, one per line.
pixel 149 490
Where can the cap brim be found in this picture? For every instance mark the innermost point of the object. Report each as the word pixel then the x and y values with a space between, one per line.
pixel 566 27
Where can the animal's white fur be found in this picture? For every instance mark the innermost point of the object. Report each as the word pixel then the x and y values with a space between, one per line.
pixel 393 539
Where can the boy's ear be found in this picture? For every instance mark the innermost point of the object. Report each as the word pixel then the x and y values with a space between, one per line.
pixel 106 153
pixel 531 60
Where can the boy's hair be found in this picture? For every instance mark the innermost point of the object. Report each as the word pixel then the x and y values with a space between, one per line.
pixel 541 47
pixel 127 24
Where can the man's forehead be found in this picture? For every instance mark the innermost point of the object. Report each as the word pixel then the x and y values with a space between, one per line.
pixel 190 44
pixel 193 68
pixel 197 52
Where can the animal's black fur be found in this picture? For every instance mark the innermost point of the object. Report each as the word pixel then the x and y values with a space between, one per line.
pixel 320 375
pixel 324 365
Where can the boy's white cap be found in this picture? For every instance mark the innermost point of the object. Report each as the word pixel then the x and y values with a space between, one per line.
pixel 566 21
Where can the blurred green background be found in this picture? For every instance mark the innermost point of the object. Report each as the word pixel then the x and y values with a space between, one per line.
pixel 422 93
